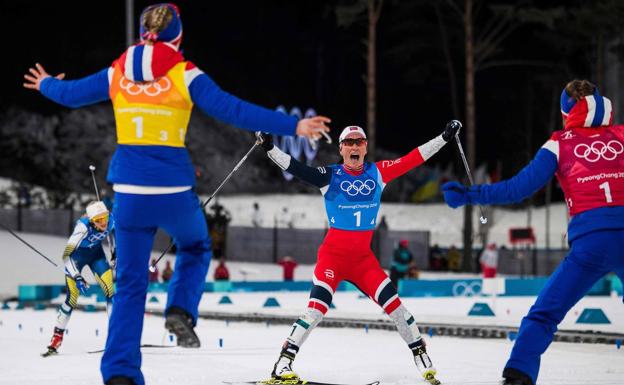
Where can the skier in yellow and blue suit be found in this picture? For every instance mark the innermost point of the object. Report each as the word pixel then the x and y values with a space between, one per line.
pixel 153 89
pixel 84 248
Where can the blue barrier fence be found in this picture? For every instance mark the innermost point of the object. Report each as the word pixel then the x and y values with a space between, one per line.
pixel 407 288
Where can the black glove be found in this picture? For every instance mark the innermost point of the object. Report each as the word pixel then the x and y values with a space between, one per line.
pixel 267 142
pixel 451 129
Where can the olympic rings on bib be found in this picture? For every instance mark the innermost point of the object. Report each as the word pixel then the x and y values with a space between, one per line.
pixel 358 187
pixel 598 149
pixel 150 89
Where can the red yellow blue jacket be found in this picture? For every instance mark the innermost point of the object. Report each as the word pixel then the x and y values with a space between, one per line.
pixel 153 90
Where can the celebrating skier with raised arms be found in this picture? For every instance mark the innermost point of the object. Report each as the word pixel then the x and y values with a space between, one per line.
pixel 352 193
pixel 587 157
pixel 153 90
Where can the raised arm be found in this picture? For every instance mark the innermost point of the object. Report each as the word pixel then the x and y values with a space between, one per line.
pixel 319 177
pixel 230 109
pixel 530 179
pixel 391 169
pixel 69 93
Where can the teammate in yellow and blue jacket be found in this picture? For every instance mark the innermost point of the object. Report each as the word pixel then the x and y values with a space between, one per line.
pixel 153 90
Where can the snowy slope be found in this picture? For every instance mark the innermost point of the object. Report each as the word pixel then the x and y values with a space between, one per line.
pixel 249 351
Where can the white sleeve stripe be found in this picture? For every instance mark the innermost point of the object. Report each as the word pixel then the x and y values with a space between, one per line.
pixel 428 149
pixel 80 232
pixel 129 71
pixel 607 112
pixel 146 62
pixel 111 71
pixel 279 158
pixel 552 146
pixel 190 75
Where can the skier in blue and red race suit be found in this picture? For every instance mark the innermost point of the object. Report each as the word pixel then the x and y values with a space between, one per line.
pixel 587 157
pixel 352 192
pixel 153 89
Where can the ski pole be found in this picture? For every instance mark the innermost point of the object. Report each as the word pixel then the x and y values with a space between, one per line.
pixel 97 195
pixel 259 140
pixel 26 243
pixel 483 218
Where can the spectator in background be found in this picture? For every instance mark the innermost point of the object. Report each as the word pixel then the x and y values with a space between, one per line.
pixel 435 258
pixel 413 272
pixel 454 259
pixel 401 260
pixel 489 261
pixel 218 218
pixel 24 196
pixel 256 217
pixel 221 273
pixel 153 275
pixel 289 265
pixel 167 273
pixel 284 219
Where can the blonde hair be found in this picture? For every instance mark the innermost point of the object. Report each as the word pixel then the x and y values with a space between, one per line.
pixel 578 89
pixel 155 20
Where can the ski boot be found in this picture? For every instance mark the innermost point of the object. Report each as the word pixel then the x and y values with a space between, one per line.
pixel 180 323
pixel 515 377
pixel 282 370
pixel 120 381
pixel 423 363
pixel 55 343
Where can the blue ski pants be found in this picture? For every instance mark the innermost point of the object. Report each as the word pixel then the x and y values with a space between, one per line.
pixel 138 217
pixel 591 257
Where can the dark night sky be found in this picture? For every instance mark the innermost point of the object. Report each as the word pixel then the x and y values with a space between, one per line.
pixel 292 52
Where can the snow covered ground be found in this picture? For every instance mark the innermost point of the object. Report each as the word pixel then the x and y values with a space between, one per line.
pixel 249 350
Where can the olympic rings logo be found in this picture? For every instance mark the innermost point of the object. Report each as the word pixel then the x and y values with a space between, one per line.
pixel 598 149
pixel 358 187
pixel 150 88
pixel 97 237
pixel 466 289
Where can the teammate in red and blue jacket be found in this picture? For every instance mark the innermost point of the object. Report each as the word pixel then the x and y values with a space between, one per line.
pixel 587 158
pixel 352 193
pixel 153 90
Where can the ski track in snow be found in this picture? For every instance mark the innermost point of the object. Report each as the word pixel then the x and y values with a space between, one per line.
pixel 249 350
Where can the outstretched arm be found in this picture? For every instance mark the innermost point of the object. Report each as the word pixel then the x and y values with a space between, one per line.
pixel 71 93
pixel 391 169
pixel 319 177
pixel 530 179
pixel 230 109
